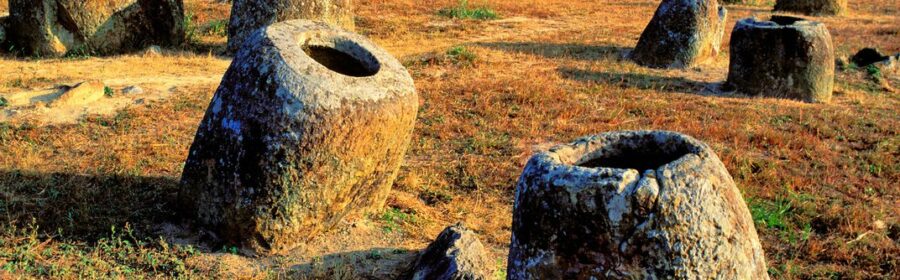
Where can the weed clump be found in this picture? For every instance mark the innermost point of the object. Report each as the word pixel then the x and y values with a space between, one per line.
pixel 463 11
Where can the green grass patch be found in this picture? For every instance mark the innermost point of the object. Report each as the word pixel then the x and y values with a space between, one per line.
pixel 771 214
pixel 464 11
pixel 461 55
pixel 217 28
pixel 394 217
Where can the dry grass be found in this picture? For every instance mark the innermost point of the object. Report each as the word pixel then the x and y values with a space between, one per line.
pixel 821 179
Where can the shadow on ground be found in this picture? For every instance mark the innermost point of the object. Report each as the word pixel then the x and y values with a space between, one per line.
pixel 85 206
pixel 375 263
pixel 561 51
pixel 646 82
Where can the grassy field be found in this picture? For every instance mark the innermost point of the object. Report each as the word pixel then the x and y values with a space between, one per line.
pixel 497 80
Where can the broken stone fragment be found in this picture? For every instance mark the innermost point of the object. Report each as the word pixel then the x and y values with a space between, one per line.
pixel 682 34
pixel 813 7
pixel 784 57
pixel 309 125
pixel 58 27
pixel 456 254
pixel 249 15
pixel 632 205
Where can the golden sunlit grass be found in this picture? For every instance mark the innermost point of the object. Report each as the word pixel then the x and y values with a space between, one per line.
pixel 821 179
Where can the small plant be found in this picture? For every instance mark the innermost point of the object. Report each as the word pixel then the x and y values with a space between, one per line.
pixel 217 28
pixel 771 214
pixel 81 52
pixel 107 91
pixel 230 250
pixel 461 55
pixel 874 72
pixel 190 29
pixel 3 102
pixel 394 217
pixel 463 11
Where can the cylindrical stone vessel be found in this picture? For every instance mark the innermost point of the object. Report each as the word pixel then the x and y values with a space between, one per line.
pixel 249 15
pixel 309 124
pixel 682 34
pixel 784 57
pixel 813 7
pixel 632 205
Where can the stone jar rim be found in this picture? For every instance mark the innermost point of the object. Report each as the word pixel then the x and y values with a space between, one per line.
pixel 323 86
pixel 778 22
pixel 620 156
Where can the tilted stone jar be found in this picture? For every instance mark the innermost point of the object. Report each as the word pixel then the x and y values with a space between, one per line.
pixel 635 205
pixel 309 125
pixel 784 57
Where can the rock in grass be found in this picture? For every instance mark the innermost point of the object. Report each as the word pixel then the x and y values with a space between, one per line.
pixel 813 7
pixel 132 90
pixel 80 94
pixel 309 124
pixel 456 254
pixel 682 34
pixel 784 57
pixel 249 15
pixel 632 205
pixel 58 27
pixel 867 56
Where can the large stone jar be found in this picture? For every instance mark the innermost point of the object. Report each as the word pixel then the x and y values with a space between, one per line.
pixel 784 57
pixel 634 205
pixel 682 34
pixel 309 124
pixel 249 15
pixel 813 7
pixel 59 27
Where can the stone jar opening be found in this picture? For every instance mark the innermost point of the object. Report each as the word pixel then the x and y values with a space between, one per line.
pixel 785 20
pixel 637 151
pixel 341 55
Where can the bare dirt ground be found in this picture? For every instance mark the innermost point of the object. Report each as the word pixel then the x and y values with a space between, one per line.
pixel 92 196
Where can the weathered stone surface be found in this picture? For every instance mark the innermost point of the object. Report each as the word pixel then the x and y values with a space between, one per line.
pixel 682 33
pixel 2 30
pixel 309 124
pixel 632 205
pixel 813 7
pixel 785 57
pixel 456 254
pixel 249 15
pixel 56 27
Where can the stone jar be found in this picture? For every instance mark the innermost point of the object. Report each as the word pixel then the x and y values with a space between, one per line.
pixel 310 124
pixel 682 34
pixel 813 7
pixel 634 205
pixel 249 15
pixel 784 57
